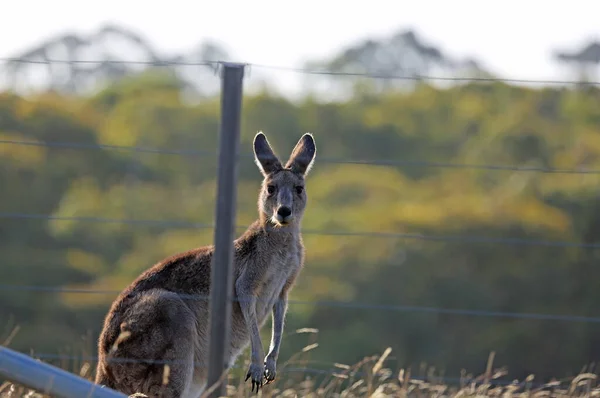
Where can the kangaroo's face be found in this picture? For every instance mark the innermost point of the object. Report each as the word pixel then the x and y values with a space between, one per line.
pixel 283 195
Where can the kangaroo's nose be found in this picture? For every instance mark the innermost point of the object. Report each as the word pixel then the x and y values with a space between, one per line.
pixel 284 211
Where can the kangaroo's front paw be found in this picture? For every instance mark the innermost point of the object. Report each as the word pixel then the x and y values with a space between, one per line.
pixel 270 369
pixel 255 372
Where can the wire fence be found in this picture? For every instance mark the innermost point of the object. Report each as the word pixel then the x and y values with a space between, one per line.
pixel 387 235
pixel 373 162
pixel 178 224
pixel 217 64
pixel 333 304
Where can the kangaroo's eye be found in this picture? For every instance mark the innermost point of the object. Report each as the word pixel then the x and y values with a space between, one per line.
pixel 299 189
pixel 270 189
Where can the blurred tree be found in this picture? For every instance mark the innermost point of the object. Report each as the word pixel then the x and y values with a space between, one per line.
pixel 585 61
pixel 83 63
pixel 399 61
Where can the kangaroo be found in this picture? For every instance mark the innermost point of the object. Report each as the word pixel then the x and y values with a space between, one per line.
pixel 162 317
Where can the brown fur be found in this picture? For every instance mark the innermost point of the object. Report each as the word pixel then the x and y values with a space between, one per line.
pixel 155 335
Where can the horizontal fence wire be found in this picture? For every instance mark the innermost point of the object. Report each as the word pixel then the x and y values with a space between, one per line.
pixel 372 162
pixel 75 145
pixel 334 304
pixel 371 234
pixel 48 61
pixel 306 71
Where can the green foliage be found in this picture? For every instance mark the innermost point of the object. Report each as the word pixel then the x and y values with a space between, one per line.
pixel 472 124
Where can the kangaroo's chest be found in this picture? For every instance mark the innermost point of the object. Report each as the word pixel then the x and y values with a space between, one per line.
pixel 279 270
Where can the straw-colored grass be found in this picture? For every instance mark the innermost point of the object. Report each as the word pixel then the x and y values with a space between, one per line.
pixel 371 378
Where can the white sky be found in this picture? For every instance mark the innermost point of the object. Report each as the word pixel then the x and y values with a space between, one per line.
pixel 513 38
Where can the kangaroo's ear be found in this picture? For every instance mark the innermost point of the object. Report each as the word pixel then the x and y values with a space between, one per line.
pixel 303 155
pixel 264 156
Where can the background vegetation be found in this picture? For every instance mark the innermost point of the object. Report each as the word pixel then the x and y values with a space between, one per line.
pixel 62 211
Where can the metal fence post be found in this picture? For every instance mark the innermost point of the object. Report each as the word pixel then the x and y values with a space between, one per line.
pixel 44 378
pixel 221 272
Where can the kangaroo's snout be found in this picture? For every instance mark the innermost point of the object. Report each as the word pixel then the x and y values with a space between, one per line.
pixel 284 211
pixel 284 214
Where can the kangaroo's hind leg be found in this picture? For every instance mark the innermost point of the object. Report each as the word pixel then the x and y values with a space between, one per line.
pixel 157 357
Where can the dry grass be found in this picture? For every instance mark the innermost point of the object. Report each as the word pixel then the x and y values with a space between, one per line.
pixel 371 378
